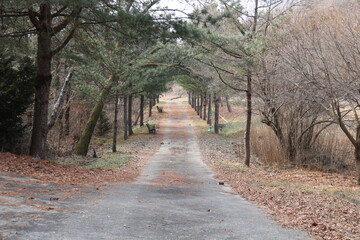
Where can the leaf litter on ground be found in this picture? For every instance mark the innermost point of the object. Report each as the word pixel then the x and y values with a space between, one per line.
pixel 326 205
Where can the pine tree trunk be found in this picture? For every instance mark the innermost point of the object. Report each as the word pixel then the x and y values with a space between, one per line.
pixel 116 111
pixel 125 117
pixel 221 101
pixel 201 103
pixel 195 103
pixel 42 87
pixel 83 145
pixel 137 119
pixel 198 104
pixel 150 107
pixel 248 119
pixel 205 103
pixel 228 104
pixel 209 111
pixel 130 116
pixel 42 21
pixel 216 120
pixel 142 98
pixel 189 97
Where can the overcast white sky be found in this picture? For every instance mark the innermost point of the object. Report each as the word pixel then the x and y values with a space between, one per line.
pixel 186 5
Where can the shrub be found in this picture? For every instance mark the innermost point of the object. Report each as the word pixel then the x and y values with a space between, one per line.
pixel 103 125
pixel 17 80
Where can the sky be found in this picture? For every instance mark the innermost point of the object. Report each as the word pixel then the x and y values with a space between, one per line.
pixel 186 5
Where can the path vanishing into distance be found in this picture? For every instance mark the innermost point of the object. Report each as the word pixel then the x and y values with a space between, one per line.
pixel 175 197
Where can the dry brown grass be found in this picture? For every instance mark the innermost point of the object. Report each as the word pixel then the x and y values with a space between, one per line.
pixel 331 152
pixel 266 146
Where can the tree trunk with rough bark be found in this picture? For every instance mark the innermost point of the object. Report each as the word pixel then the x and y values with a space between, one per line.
pixel 201 103
pixel 42 21
pixel 248 119
pixel 205 103
pixel 216 117
pixel 221 101
pixel 43 82
pixel 130 115
pixel 209 118
pixel 142 99
pixel 228 104
pixel 198 105
pixel 125 117
pixel 83 145
pixel 116 111
pixel 150 107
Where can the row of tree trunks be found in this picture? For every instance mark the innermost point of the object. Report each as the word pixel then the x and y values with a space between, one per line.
pixel 127 117
pixel 202 103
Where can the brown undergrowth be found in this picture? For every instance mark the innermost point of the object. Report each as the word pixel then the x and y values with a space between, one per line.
pixel 326 205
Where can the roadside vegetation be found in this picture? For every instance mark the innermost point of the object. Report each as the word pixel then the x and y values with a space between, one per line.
pixel 274 85
pixel 325 202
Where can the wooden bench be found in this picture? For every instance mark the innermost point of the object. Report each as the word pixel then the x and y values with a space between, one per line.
pixel 221 126
pixel 151 128
pixel 160 109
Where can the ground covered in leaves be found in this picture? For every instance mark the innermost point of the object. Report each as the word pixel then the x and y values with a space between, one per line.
pixel 326 205
pixel 33 188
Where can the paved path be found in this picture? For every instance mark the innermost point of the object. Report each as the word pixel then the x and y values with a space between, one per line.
pixel 176 197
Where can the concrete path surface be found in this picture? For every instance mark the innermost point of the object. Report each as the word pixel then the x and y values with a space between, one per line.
pixel 176 197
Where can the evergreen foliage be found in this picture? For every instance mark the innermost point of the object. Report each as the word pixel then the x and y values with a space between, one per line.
pixel 103 125
pixel 16 94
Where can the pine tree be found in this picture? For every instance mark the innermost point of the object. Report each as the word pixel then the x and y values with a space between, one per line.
pixel 16 94
pixel 103 125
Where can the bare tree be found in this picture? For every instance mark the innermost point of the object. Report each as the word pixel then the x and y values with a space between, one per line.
pixel 324 52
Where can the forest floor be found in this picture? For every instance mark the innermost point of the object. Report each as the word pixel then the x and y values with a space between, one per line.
pixel 326 205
